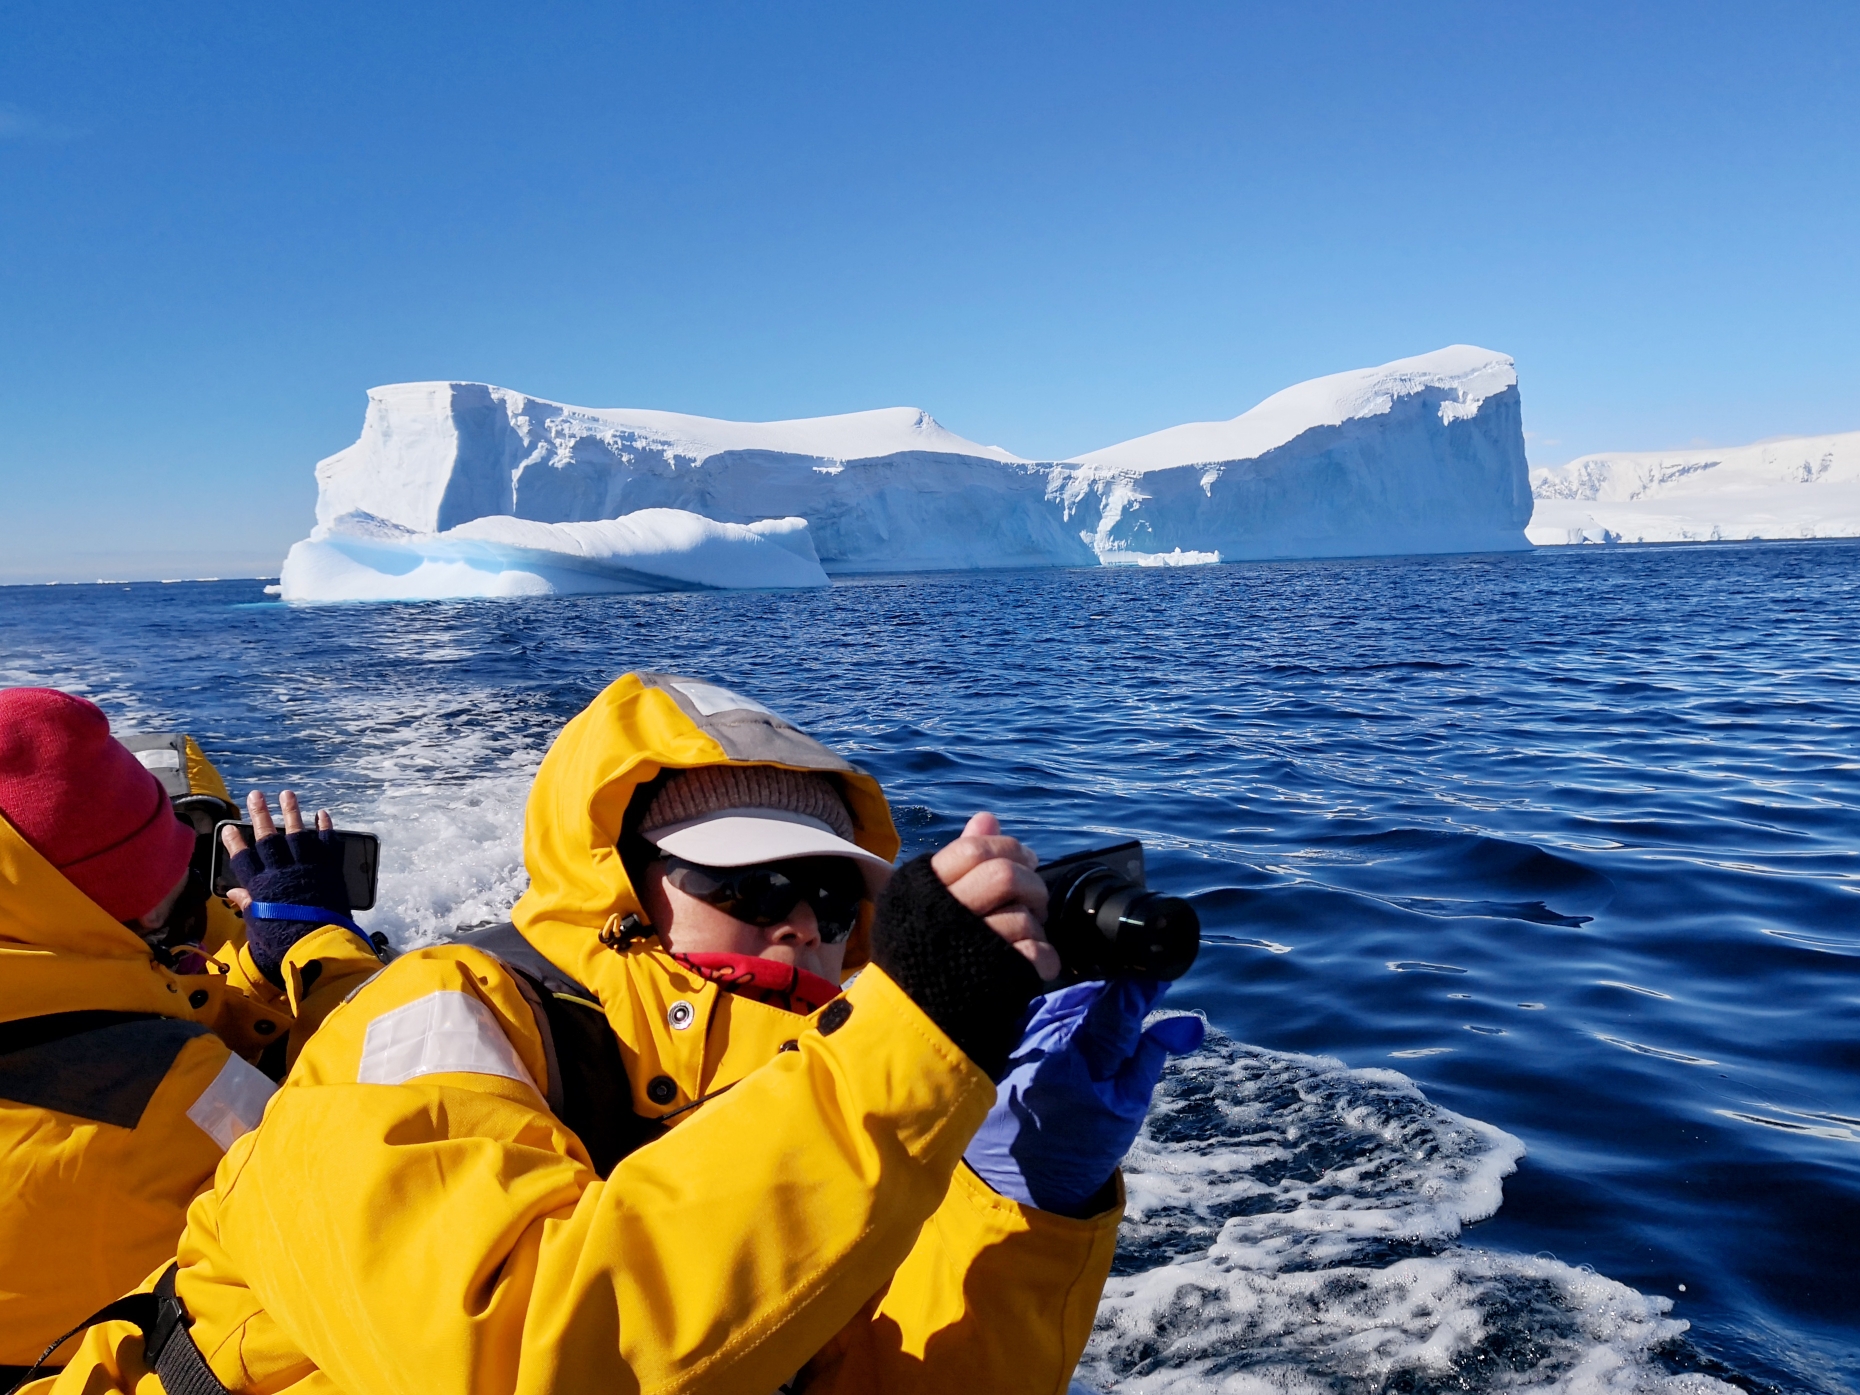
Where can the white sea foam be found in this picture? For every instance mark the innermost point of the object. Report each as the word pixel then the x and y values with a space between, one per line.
pixel 443 779
pixel 1293 1227
pixel 455 858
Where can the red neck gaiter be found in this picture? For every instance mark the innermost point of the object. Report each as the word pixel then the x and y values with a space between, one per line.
pixel 785 986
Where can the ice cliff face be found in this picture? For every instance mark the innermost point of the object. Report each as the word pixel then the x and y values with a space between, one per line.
pixel 1796 487
pixel 1422 455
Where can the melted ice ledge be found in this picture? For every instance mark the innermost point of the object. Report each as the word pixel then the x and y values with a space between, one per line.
pixel 463 489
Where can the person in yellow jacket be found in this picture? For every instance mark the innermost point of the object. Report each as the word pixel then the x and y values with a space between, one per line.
pixel 123 1079
pixel 640 1140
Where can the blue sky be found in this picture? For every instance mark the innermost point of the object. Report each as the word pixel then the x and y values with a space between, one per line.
pixel 1053 226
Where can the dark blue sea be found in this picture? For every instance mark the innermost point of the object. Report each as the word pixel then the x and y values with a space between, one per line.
pixel 1529 881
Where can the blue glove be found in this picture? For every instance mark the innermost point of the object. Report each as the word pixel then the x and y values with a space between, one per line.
pixel 1076 1091
pixel 297 885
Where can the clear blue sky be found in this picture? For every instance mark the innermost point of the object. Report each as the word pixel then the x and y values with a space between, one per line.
pixel 1052 226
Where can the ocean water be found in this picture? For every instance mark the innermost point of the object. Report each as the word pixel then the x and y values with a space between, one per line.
pixel 1529 883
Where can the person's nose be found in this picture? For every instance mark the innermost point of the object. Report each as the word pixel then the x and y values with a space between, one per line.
pixel 800 928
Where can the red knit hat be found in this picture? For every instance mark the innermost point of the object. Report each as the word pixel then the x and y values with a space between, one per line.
pixel 86 804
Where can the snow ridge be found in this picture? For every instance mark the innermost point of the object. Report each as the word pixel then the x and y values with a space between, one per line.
pixel 1462 376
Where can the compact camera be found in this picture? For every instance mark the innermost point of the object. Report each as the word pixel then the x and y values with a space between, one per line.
pixel 1104 921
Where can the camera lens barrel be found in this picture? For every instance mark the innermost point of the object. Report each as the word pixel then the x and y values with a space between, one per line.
pixel 1104 925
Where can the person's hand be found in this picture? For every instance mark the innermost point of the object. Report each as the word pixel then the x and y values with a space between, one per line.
pixel 992 875
pixel 1076 1092
pixel 264 827
pixel 289 884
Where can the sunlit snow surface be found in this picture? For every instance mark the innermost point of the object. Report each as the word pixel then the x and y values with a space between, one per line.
pixel 1293 1226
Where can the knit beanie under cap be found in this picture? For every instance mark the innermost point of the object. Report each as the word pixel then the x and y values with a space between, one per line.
pixel 692 794
pixel 86 804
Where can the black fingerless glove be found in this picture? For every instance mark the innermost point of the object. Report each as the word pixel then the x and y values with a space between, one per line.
pixel 298 878
pixel 969 980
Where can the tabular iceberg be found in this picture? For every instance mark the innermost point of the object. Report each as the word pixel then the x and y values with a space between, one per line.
pixel 1792 487
pixel 464 485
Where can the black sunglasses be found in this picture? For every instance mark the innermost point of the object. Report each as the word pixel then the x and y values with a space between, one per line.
pixel 766 894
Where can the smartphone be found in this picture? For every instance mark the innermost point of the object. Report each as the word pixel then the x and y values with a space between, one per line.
pixel 361 862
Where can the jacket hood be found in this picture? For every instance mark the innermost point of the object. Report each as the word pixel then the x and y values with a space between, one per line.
pixel 642 724
pixel 40 908
pixel 61 952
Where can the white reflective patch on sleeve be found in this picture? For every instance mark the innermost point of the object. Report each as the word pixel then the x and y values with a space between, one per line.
pixel 440 1034
pixel 710 699
pixel 232 1105
pixel 160 758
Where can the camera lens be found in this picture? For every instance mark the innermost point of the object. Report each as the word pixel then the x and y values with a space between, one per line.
pixel 1104 924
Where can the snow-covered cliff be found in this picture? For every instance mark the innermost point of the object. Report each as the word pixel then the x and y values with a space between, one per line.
pixel 1422 455
pixel 1793 487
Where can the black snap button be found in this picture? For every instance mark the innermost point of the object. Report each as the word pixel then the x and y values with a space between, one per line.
pixel 662 1089
pixel 264 1026
pixel 789 1045
pixel 198 998
pixel 835 1016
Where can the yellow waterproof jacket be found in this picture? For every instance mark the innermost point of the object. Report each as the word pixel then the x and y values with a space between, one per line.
pixel 119 1092
pixel 413 1216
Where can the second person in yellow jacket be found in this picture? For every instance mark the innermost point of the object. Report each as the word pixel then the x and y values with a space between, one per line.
pixel 123 1076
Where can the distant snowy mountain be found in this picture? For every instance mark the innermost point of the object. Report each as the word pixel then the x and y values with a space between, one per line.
pixel 1792 487
pixel 1422 455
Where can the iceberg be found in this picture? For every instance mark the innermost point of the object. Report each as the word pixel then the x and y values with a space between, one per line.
pixel 1787 487
pixel 466 485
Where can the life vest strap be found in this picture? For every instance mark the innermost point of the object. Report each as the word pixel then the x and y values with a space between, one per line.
pixel 162 1317
pixel 169 1346
pixel 588 1088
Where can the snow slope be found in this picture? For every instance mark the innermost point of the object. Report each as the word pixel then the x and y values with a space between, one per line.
pixel 1791 487
pixel 1422 455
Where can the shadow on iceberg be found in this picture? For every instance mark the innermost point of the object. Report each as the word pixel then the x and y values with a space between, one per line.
pixel 359 557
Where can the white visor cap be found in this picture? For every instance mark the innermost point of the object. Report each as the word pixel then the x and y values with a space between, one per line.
pixel 744 837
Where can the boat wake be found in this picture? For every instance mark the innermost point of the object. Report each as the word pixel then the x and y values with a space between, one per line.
pixel 1293 1226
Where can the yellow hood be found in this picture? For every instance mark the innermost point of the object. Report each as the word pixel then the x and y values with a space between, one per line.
pixel 61 952
pixel 641 724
